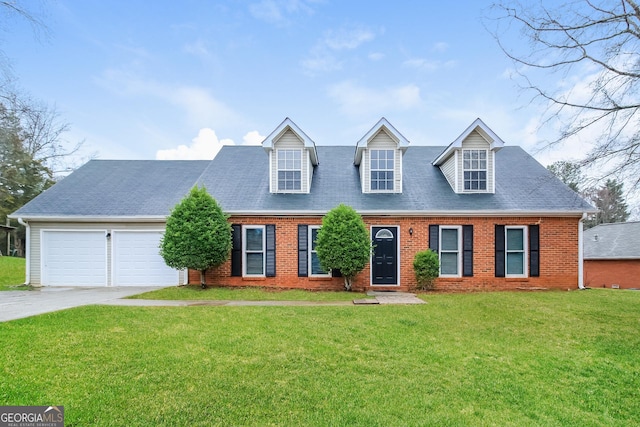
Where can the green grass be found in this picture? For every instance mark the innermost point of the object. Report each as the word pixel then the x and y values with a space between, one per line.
pixel 12 273
pixel 503 359
pixel 246 294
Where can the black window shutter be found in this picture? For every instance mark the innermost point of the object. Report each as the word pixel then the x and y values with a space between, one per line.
pixel 271 250
pixel 236 250
pixel 467 250
pixel 534 250
pixel 336 273
pixel 434 237
pixel 303 247
pixel 500 254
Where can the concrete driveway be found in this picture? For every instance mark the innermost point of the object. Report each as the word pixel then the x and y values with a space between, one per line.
pixel 19 304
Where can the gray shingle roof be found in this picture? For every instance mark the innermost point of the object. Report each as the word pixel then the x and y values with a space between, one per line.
pixel 118 188
pixel 522 185
pixel 613 241
pixel 238 178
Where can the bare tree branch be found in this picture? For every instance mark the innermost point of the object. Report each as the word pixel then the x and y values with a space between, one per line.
pixel 597 44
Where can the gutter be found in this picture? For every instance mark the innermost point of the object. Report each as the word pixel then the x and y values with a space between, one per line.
pixel 27 254
pixel 581 251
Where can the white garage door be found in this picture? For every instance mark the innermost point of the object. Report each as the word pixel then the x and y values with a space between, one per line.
pixel 74 258
pixel 137 262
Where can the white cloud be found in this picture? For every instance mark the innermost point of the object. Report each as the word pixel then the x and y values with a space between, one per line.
pixel 324 57
pixel 201 108
pixel 440 47
pixel 278 11
pixel 205 146
pixel 427 65
pixel 357 100
pixel 253 138
pixel 376 56
pixel 347 39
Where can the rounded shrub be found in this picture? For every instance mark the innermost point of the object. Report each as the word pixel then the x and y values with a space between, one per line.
pixel 427 268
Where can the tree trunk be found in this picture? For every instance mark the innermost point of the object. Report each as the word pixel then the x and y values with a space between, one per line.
pixel 347 283
pixel 203 285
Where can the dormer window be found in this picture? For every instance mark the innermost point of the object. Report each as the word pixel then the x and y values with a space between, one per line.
pixel 475 170
pixel 289 170
pixel 469 162
pixel 379 159
pixel 382 168
pixel 292 159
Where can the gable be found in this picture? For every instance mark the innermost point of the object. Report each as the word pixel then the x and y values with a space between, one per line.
pixel 468 163
pixel 379 157
pixel 292 158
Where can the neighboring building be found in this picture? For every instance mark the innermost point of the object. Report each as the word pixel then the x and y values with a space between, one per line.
pixel 612 255
pixel 496 217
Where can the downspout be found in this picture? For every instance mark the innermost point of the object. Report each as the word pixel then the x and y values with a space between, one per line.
pixel 581 251
pixel 27 253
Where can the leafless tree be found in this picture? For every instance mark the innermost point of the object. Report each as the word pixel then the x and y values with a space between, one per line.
pixel 583 63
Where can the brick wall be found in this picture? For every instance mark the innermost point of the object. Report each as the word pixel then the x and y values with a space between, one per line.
pixel 605 273
pixel 558 255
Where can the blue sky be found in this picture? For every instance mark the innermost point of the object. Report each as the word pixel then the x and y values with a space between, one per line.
pixel 138 79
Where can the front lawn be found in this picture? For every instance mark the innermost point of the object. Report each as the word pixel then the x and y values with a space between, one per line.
pixel 12 272
pixel 507 359
pixel 246 294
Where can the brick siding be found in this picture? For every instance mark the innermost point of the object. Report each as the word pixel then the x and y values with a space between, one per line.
pixel 605 273
pixel 558 255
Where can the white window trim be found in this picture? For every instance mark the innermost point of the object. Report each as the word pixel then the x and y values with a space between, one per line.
pixel 486 170
pixel 459 252
pixel 302 177
pixel 525 250
pixel 310 251
pixel 393 181
pixel 244 250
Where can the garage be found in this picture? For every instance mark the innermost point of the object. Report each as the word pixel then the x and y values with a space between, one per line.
pixel 137 262
pixel 74 258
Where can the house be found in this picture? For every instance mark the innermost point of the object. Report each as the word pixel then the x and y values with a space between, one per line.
pixel 496 217
pixel 612 255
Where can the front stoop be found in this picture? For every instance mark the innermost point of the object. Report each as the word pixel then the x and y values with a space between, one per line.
pixel 390 298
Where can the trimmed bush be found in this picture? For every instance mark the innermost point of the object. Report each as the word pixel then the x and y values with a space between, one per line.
pixel 427 268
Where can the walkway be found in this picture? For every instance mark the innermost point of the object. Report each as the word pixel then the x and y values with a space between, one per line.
pixel 20 304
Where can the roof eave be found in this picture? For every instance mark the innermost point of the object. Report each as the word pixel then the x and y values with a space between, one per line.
pixel 91 218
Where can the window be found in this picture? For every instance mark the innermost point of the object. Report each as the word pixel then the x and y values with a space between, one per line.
pixel 475 170
pixel 450 245
pixel 289 170
pixel 515 250
pixel 382 166
pixel 253 250
pixel 314 262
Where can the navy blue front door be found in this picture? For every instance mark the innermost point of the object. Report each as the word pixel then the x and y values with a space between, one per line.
pixel 384 262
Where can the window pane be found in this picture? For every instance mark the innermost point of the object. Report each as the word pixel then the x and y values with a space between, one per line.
pixel 515 263
pixel 314 236
pixel 449 239
pixel 315 264
pixel 254 239
pixel 449 263
pixel 515 239
pixel 254 263
pixel 374 154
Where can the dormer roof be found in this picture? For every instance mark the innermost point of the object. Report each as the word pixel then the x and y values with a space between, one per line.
pixel 288 124
pixel 382 125
pixel 494 141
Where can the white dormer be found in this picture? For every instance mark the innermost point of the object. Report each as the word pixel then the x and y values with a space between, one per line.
pixel 292 157
pixel 468 163
pixel 379 157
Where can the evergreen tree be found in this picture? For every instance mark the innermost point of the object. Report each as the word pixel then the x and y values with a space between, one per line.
pixel 198 236
pixel 343 243
pixel 609 200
